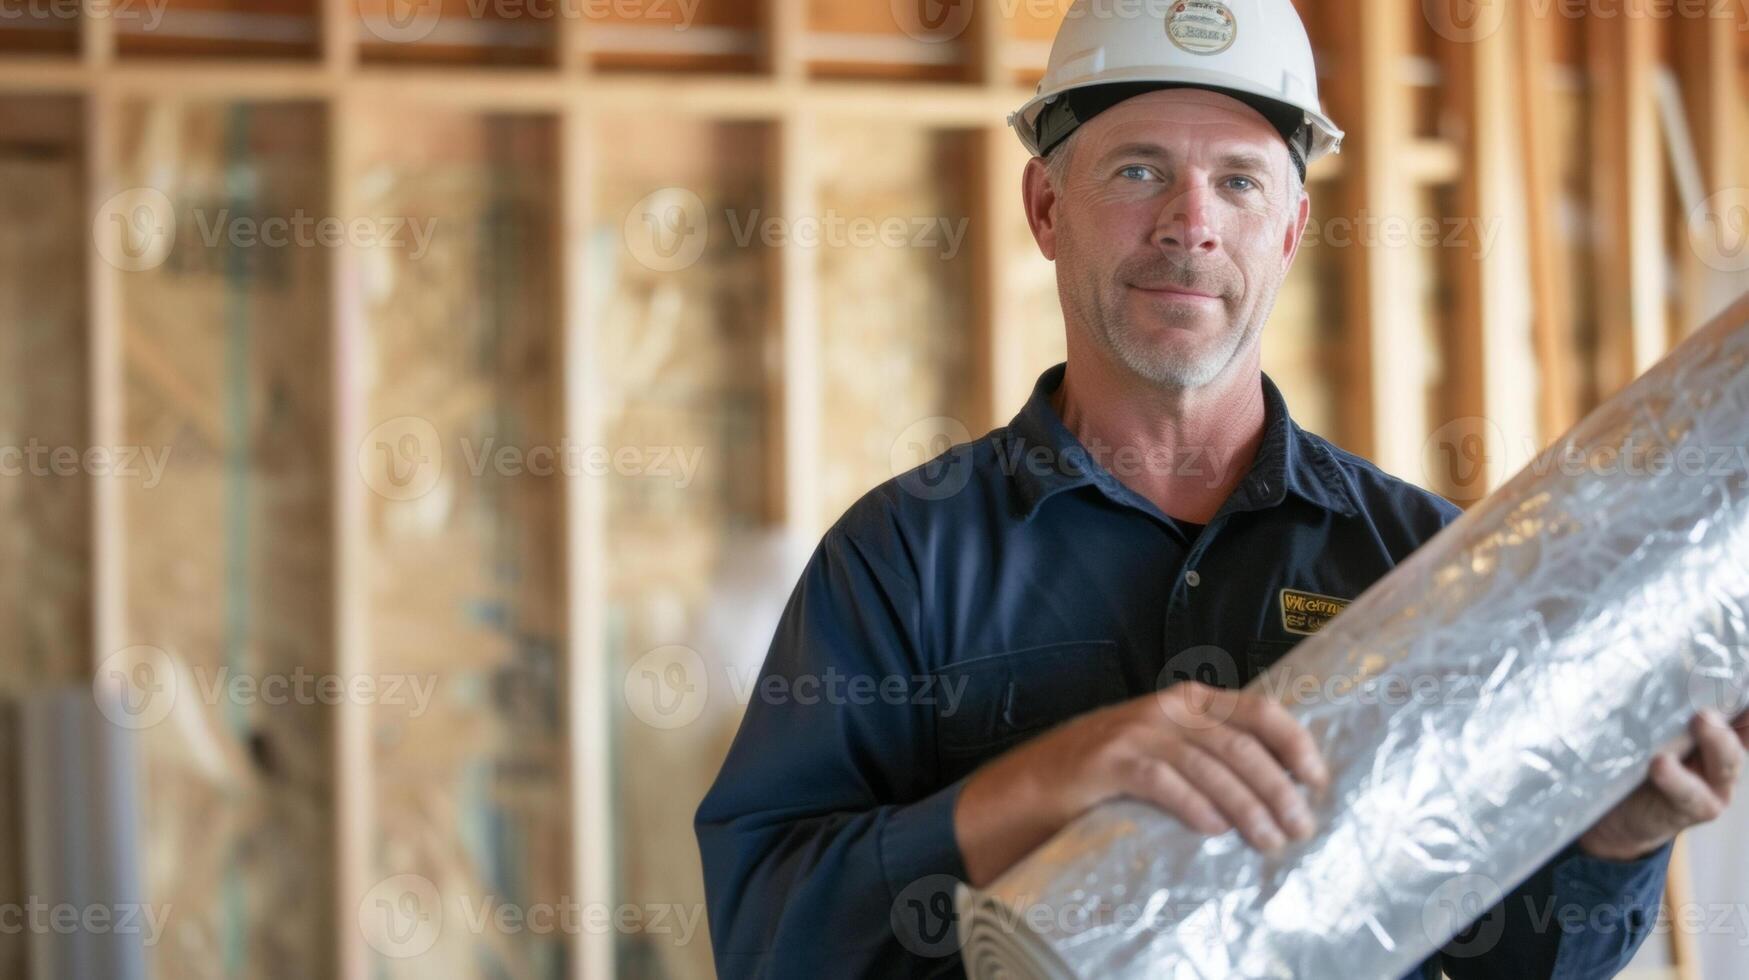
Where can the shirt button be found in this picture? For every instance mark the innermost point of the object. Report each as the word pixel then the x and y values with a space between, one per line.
pixel 1193 578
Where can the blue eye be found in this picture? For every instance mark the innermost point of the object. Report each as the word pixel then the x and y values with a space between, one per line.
pixel 1250 185
pixel 1137 171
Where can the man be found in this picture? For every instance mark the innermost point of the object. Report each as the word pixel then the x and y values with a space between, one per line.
pixel 1031 612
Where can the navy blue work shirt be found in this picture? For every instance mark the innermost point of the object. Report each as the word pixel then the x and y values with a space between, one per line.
pixel 1014 583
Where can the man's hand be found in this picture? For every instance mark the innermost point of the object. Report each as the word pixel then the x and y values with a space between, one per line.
pixel 1677 794
pixel 1216 759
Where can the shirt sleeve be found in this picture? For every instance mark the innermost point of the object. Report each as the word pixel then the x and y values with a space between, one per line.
pixel 1577 918
pixel 827 850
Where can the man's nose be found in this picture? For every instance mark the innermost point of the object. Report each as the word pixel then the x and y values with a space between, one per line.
pixel 1185 222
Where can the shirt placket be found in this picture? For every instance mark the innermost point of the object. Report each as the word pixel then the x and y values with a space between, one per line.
pixel 1184 630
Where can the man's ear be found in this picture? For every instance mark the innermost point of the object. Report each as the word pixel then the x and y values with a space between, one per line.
pixel 1296 232
pixel 1040 201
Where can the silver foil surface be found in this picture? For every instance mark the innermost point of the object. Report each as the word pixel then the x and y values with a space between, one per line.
pixel 1479 708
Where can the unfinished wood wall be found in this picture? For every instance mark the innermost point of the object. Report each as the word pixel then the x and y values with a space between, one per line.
pixel 895 346
pixel 465 583
pixel 46 572
pixel 613 264
pixel 45 575
pixel 685 378
pixel 223 573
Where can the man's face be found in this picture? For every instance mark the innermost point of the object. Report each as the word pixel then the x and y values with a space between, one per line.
pixel 1173 231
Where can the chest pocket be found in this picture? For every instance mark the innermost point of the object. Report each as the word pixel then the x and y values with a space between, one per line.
pixel 1260 654
pixel 1006 698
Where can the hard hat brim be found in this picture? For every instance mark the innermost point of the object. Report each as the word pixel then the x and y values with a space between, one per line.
pixel 1061 116
pixel 1325 137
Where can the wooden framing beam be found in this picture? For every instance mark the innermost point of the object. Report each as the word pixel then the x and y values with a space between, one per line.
pixel 786 34
pixel 38 75
pixel 713 96
pixel 796 397
pixel 589 690
pixel 354 804
pixel 97 34
pixel 1679 895
pixel 1378 317
pixel 995 347
pixel 1550 275
pixel 106 392
pixel 989 47
pixel 1482 280
pixel 792 349
pixel 990 182
pixel 339 36
pixel 723 97
pixel 349 544
pixel 103 348
pixel 1713 95
pixel 573 56
pixel 1627 195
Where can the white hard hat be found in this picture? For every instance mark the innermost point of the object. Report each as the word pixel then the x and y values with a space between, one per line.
pixel 1108 50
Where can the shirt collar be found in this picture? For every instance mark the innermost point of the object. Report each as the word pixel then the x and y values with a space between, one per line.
pixel 1289 460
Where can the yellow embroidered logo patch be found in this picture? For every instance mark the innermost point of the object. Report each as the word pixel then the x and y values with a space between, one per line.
pixel 1306 613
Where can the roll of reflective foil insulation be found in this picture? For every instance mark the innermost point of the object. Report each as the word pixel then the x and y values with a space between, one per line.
pixel 1479 708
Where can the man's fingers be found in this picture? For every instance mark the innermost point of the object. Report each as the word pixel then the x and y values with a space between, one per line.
pixel 1740 725
pixel 1246 756
pixel 1283 735
pixel 1684 790
pixel 1238 749
pixel 1230 795
pixel 1155 781
pixel 1721 754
